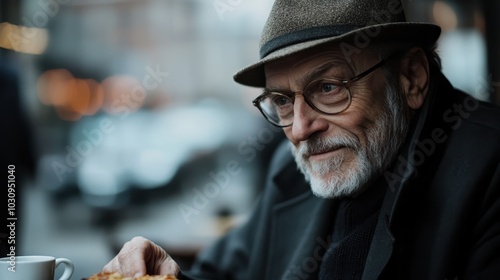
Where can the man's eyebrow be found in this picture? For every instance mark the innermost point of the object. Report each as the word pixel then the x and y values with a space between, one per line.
pixel 321 70
pixel 276 89
pixel 317 72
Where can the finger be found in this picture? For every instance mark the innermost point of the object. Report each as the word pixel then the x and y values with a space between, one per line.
pixel 154 256
pixel 108 267
pixel 169 267
pixel 159 262
pixel 112 266
pixel 130 261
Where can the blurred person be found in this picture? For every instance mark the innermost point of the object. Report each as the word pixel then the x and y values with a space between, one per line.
pixel 389 172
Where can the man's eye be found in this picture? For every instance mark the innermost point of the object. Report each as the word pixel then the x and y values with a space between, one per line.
pixel 281 101
pixel 327 88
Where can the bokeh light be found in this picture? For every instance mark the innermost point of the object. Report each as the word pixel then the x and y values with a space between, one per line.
pixel 445 16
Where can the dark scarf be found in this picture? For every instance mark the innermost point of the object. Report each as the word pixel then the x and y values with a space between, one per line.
pixel 353 230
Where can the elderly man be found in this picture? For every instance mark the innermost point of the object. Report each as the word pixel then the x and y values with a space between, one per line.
pixel 392 173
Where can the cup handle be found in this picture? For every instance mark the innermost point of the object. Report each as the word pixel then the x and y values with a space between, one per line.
pixel 68 269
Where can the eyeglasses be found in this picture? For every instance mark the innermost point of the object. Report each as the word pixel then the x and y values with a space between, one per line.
pixel 328 96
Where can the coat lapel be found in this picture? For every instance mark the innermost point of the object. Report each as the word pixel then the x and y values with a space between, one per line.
pixel 299 231
pixel 382 243
pixel 298 226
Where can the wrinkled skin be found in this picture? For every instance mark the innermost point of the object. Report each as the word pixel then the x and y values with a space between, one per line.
pixel 139 257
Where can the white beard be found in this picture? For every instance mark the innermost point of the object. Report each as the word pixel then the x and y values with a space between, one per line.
pixel 336 176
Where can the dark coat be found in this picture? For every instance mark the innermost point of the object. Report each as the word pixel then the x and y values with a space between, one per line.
pixel 440 218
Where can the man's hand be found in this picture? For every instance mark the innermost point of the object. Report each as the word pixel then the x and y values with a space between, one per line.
pixel 140 256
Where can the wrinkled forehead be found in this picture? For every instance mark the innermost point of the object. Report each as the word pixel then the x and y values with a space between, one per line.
pixel 294 67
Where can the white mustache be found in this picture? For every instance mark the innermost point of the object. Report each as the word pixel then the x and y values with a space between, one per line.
pixel 317 145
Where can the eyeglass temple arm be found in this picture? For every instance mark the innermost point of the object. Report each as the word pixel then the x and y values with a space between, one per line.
pixel 374 67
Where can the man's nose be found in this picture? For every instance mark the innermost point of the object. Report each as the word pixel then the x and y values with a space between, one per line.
pixel 306 121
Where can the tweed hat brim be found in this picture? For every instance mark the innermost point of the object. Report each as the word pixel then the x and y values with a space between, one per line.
pixel 424 34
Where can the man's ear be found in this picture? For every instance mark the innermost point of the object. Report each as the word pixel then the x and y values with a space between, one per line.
pixel 414 77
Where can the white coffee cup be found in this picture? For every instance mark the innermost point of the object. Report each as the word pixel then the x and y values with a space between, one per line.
pixel 33 268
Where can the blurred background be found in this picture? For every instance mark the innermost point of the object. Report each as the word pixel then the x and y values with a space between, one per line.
pixel 122 118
